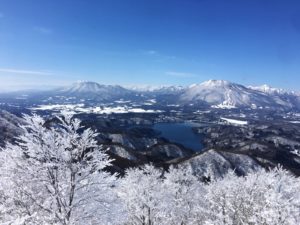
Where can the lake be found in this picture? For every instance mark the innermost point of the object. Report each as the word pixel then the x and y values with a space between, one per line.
pixel 180 133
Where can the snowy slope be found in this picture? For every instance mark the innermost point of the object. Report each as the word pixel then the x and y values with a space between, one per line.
pixel 92 88
pixel 160 88
pixel 235 122
pixel 268 89
pixel 219 163
pixel 224 94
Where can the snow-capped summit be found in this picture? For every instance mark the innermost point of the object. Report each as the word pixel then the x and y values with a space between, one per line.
pixel 89 87
pixel 151 88
pixel 169 89
pixel 215 83
pixel 216 92
pixel 82 86
pixel 92 89
pixel 224 94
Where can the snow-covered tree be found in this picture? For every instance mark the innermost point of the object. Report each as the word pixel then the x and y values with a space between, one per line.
pixel 179 197
pixel 260 198
pixel 55 175
pixel 183 197
pixel 141 190
pixel 153 197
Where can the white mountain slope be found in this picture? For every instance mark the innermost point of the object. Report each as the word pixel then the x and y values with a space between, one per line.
pixel 226 94
pixel 290 97
pixel 93 89
pixel 216 93
pixel 167 89
pixel 218 163
pixel 269 90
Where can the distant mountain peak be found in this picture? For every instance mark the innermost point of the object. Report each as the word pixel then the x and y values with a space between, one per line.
pixel 224 94
pixel 151 88
pixel 215 83
pixel 212 84
pixel 91 90
pixel 268 89
pixel 83 86
pixel 216 93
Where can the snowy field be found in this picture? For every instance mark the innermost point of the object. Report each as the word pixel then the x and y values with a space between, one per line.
pixel 80 108
pixel 235 122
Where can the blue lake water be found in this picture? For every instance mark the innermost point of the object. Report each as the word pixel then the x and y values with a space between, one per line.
pixel 180 133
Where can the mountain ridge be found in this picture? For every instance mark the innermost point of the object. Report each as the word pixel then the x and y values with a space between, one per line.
pixel 215 93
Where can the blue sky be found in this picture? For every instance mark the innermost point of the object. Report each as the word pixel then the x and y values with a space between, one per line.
pixel 56 42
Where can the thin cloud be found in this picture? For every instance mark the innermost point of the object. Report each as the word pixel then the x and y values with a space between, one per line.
pixel 151 52
pixel 158 56
pixel 43 30
pixel 1 15
pixel 25 72
pixel 180 74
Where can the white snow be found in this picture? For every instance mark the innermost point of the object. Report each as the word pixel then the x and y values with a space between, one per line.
pixel 219 93
pixel 226 95
pixel 153 88
pixel 223 106
pixel 296 152
pixel 234 121
pixel 296 122
pixel 97 110
pixel 152 100
pixel 173 105
pixel 122 101
pixel 268 90
pixel 215 83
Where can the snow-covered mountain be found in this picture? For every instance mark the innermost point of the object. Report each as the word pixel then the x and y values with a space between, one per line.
pixel 224 94
pixel 213 93
pixel 219 163
pixel 93 89
pixel 157 89
pixel 269 90
pixel 169 90
pixel 82 87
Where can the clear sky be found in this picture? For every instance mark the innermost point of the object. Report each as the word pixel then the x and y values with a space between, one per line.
pixel 56 42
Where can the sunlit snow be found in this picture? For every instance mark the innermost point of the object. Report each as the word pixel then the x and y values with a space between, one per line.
pixel 80 108
pixel 233 121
